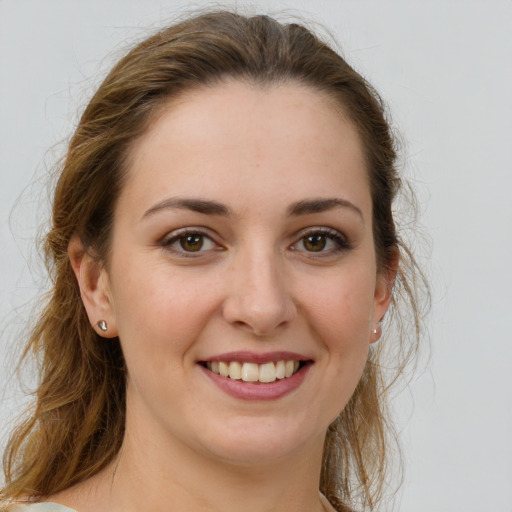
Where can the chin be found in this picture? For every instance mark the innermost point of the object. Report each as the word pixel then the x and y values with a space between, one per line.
pixel 262 441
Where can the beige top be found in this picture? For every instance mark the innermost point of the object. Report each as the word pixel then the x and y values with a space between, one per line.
pixel 55 507
pixel 41 507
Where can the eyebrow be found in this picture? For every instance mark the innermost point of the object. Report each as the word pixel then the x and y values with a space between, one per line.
pixel 204 206
pixel 310 206
pixel 209 207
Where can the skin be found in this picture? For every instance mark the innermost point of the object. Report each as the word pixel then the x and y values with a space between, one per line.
pixel 257 284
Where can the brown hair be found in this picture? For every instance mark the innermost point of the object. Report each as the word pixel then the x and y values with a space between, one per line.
pixel 77 423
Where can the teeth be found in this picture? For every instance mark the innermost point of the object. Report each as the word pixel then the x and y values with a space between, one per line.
pixel 267 372
pixel 280 370
pixel 252 372
pixel 223 369
pixel 288 369
pixel 235 370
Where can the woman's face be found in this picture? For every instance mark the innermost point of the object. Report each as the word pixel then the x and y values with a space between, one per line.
pixel 242 245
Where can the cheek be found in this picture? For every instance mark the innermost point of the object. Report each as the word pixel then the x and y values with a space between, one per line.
pixel 343 307
pixel 341 319
pixel 160 311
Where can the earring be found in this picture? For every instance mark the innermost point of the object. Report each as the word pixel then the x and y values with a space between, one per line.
pixel 102 325
pixel 377 332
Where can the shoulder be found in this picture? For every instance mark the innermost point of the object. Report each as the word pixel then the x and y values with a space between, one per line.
pixel 40 507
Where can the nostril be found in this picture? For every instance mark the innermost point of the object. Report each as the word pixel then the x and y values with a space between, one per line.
pixel 259 308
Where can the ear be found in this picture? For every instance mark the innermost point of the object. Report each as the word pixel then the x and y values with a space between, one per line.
pixel 383 293
pixel 94 286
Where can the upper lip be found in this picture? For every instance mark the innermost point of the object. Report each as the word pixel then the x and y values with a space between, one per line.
pixel 258 358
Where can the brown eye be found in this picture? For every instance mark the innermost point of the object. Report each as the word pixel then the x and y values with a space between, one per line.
pixel 322 241
pixel 188 242
pixel 192 243
pixel 315 243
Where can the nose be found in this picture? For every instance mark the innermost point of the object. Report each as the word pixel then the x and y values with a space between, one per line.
pixel 259 299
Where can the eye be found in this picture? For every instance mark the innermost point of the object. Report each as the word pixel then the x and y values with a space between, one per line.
pixel 187 242
pixel 321 241
pixel 192 243
pixel 315 243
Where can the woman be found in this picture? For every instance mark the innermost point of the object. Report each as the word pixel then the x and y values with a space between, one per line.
pixel 224 253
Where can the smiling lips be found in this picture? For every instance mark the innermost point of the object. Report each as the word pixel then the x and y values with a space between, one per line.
pixel 252 376
pixel 254 372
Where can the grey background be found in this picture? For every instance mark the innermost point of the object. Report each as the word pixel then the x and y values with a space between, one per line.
pixel 444 68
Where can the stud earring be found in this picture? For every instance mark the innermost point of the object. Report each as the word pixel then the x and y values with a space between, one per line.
pixel 102 325
pixel 377 331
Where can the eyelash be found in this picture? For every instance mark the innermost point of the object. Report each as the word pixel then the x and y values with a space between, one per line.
pixel 340 241
pixel 168 242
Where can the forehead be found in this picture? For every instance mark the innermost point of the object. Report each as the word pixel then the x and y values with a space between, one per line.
pixel 289 136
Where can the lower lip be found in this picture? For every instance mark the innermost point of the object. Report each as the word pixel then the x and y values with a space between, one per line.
pixel 258 391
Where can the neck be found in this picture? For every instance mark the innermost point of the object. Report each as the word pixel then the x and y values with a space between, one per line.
pixel 150 476
pixel 190 481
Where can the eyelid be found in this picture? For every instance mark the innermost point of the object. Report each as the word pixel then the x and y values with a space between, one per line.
pixel 337 237
pixel 167 241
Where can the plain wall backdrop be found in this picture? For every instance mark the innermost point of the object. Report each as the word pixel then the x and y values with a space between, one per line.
pixel 444 68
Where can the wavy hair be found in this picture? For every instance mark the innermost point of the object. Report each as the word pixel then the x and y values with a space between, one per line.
pixel 76 425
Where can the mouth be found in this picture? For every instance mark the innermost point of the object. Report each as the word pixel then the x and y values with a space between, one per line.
pixel 264 373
